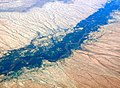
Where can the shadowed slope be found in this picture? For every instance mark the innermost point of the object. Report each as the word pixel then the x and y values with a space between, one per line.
pixel 24 5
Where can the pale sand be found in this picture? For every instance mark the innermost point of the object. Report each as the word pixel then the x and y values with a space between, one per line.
pixel 18 29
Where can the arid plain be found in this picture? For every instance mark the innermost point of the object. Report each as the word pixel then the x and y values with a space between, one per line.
pixel 96 65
